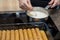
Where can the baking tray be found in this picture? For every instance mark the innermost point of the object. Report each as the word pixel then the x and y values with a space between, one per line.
pixel 40 25
pixel 16 26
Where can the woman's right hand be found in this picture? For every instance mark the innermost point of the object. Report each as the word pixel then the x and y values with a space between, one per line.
pixel 25 4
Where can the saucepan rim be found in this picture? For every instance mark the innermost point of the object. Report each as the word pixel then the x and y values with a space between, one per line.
pixel 39 9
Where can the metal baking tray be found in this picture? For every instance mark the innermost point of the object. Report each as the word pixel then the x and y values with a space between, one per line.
pixel 40 25
pixel 15 26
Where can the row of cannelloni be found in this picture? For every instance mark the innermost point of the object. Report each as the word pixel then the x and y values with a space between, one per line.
pixel 23 34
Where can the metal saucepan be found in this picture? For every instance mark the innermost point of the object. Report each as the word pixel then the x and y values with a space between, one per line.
pixel 38 14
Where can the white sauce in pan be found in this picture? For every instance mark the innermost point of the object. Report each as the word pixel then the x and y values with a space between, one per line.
pixel 37 14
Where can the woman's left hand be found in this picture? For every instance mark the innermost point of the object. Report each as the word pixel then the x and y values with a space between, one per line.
pixel 54 3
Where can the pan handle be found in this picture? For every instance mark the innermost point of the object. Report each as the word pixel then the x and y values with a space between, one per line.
pixel 48 6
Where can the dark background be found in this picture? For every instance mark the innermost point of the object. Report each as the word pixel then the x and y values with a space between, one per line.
pixel 40 3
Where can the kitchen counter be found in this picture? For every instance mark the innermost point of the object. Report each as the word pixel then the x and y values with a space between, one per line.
pixel 55 16
pixel 7 6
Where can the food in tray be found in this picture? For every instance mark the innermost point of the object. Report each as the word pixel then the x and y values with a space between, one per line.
pixel 3 35
pixel 16 35
pixel 8 35
pixel 34 34
pixel 12 35
pixel 23 34
pixel 30 36
pixel 0 34
pixel 43 35
pixel 39 36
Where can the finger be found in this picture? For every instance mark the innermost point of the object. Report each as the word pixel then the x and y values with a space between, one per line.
pixel 23 7
pixel 30 4
pixel 51 2
pixel 54 4
pixel 27 6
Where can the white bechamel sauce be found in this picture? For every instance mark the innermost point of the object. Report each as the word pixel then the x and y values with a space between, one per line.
pixel 37 14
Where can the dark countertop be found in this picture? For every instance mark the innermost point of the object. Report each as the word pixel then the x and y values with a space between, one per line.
pixel 55 16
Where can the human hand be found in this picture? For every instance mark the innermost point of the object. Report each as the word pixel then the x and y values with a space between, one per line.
pixel 54 3
pixel 25 4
